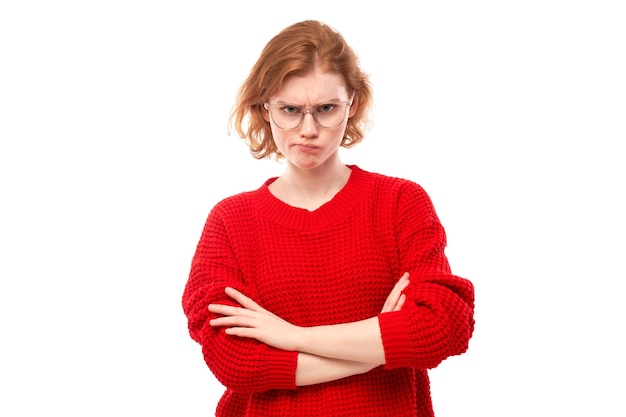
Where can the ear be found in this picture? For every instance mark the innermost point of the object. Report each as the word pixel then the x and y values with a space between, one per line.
pixel 354 107
pixel 265 113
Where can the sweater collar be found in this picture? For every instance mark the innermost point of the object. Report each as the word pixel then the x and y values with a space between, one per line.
pixel 271 208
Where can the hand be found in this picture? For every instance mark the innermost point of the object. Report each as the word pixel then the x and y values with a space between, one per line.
pixel 253 321
pixel 395 300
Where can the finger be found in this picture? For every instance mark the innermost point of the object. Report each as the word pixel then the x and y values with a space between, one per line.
pixel 402 283
pixel 241 332
pixel 231 321
pixel 235 331
pixel 389 303
pixel 243 300
pixel 404 280
pixel 227 310
pixel 400 303
pixel 396 293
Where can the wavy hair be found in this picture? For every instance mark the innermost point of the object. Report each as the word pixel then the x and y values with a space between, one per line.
pixel 296 50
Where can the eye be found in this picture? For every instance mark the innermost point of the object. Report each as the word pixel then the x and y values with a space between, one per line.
pixel 326 108
pixel 290 109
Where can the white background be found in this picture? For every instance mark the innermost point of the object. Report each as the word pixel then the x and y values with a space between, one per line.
pixel 114 148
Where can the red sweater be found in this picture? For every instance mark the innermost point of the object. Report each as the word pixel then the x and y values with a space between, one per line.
pixel 333 265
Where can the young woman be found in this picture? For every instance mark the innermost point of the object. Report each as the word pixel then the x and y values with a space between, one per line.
pixel 325 292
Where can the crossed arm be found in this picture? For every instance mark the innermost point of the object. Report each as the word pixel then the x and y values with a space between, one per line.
pixel 325 353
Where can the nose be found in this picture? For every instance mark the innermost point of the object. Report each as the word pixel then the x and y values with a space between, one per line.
pixel 309 126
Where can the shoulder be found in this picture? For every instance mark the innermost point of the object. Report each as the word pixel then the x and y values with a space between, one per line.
pixel 392 186
pixel 241 202
pixel 400 197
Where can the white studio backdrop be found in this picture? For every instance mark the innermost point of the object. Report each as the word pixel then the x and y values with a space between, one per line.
pixel 114 148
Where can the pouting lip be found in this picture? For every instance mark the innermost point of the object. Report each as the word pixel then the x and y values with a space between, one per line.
pixel 304 145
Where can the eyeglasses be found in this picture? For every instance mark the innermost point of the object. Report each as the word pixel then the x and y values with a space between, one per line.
pixel 327 115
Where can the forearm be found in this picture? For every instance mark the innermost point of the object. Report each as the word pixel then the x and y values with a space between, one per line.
pixel 357 341
pixel 314 369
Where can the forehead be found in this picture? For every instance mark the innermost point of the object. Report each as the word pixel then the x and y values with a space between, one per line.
pixel 312 88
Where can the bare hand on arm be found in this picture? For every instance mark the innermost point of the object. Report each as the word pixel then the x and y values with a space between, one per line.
pixel 396 298
pixel 253 321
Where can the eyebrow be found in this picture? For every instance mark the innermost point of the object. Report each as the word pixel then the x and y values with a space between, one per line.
pixel 317 104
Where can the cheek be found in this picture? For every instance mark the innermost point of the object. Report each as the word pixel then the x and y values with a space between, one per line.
pixel 279 140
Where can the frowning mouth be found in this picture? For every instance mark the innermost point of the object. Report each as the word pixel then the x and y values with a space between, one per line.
pixel 304 147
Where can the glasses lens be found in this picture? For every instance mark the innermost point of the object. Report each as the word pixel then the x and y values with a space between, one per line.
pixel 285 116
pixel 330 115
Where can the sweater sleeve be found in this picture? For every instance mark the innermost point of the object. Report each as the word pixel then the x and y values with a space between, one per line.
pixel 437 320
pixel 241 364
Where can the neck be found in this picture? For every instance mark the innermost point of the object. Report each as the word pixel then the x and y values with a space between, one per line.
pixel 315 180
pixel 310 188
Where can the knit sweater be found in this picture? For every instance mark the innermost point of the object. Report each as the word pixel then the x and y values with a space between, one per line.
pixel 335 264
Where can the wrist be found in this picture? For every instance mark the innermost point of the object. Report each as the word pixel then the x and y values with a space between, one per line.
pixel 302 337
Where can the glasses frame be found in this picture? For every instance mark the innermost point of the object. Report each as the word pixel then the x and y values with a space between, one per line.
pixel 268 106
